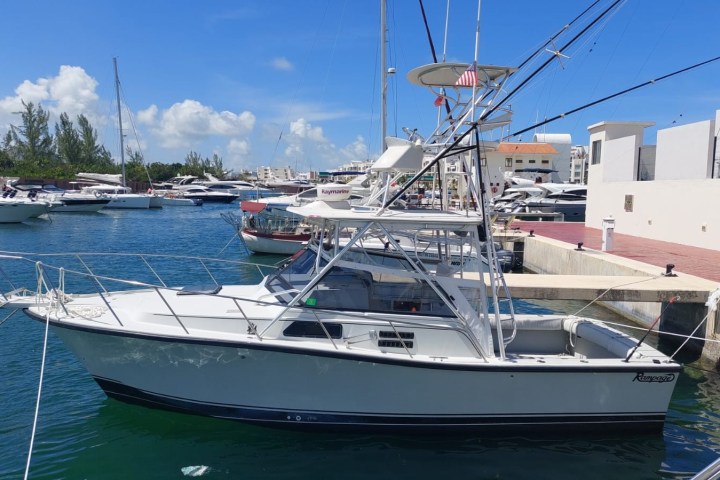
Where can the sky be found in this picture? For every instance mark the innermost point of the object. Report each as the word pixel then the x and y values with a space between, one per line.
pixel 296 83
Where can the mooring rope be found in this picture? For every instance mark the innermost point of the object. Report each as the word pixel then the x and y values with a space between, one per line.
pixel 39 394
pixel 614 287
pixel 712 304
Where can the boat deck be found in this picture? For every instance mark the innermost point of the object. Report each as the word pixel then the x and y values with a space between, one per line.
pixel 700 262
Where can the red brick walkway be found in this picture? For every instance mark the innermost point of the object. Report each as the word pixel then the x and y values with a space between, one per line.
pixel 700 262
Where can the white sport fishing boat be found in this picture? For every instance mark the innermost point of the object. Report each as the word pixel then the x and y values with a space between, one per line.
pixel 348 337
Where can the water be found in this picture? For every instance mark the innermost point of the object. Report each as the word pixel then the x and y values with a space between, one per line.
pixel 84 435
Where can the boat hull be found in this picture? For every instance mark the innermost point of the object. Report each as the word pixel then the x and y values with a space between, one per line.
pixel 129 201
pixel 16 212
pixel 181 202
pixel 292 387
pixel 211 198
pixel 274 243
pixel 89 205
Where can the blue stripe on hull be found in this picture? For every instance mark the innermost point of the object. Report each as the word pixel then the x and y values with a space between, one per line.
pixel 322 421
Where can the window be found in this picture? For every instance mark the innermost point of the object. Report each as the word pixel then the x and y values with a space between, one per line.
pixel 518 161
pixel 546 162
pixel 596 151
pixel 483 161
pixel 531 161
pixel 508 162
pixel 313 330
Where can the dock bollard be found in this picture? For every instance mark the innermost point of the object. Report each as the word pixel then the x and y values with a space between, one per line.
pixel 608 230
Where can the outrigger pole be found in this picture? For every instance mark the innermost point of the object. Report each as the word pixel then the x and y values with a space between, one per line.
pixel 445 151
pixel 609 97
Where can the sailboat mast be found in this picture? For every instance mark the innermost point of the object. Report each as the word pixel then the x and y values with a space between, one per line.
pixel 383 76
pixel 120 126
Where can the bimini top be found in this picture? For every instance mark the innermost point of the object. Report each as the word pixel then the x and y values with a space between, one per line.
pixel 446 74
pixel 342 212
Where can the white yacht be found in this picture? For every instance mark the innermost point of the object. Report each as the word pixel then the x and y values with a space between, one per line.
pixel 201 192
pixel 111 186
pixel 348 337
pixel 354 338
pixel 62 200
pixel 244 190
pixel 17 210
pixel 120 197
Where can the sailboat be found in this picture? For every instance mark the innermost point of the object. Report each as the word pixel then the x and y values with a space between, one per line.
pixel 267 227
pixel 114 185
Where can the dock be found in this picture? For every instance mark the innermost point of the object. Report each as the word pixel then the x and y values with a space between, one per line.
pixel 639 278
pixel 679 289
pixel 658 287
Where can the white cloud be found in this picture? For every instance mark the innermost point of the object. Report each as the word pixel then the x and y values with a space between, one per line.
pixel 282 63
pixel 190 122
pixel 30 92
pixel 148 116
pixel 301 128
pixel 358 150
pixel 238 154
pixel 238 148
pixel 307 145
pixel 72 91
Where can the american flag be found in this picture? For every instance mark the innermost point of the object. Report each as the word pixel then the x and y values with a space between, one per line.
pixel 469 77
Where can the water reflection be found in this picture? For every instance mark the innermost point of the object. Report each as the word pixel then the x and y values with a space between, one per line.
pixel 142 443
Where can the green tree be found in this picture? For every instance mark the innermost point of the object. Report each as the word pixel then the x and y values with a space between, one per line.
pixel 67 141
pixel 93 156
pixel 193 164
pixel 160 172
pixel 215 166
pixel 32 139
pixel 135 166
pixel 7 153
pixel 196 165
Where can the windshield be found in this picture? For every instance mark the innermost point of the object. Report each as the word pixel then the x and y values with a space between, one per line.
pixel 380 288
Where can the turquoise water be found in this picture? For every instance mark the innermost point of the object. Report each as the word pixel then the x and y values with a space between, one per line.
pixel 84 435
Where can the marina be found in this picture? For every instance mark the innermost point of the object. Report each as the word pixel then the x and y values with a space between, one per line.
pixel 82 432
pixel 457 303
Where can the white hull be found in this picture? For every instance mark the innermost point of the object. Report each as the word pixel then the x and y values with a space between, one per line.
pixel 156 201
pixel 19 211
pixel 292 386
pixel 180 202
pixel 272 244
pixel 89 206
pixel 129 200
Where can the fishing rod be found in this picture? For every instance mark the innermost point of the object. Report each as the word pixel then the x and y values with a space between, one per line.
pixel 446 151
pixel 548 61
pixel 609 97
pixel 563 29
pixel 432 50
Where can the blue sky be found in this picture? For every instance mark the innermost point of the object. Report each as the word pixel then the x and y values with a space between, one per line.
pixel 226 77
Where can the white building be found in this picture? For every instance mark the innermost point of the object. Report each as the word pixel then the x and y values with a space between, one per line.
pixel 275 173
pixel 669 191
pixel 561 161
pixel 578 164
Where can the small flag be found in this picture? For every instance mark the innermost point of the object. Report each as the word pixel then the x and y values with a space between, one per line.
pixel 439 100
pixel 469 77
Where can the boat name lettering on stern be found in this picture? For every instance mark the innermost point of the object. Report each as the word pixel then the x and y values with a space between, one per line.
pixel 641 377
